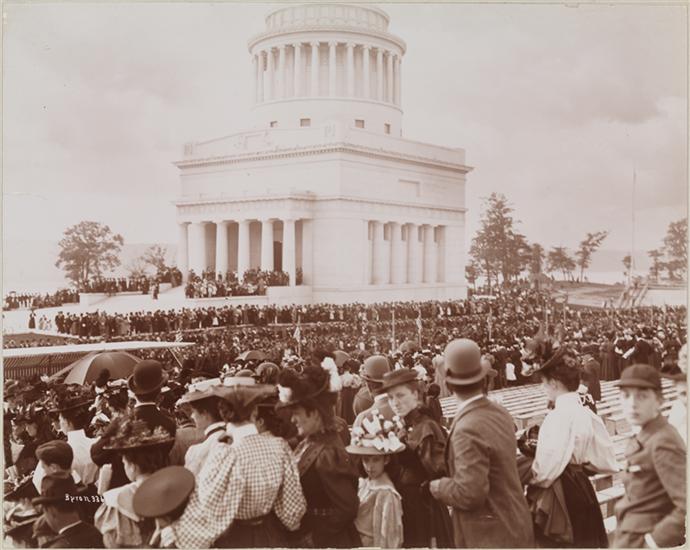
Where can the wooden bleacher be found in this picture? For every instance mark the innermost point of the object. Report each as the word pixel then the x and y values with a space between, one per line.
pixel 527 405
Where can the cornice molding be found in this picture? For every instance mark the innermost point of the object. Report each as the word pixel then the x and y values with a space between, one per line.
pixel 339 147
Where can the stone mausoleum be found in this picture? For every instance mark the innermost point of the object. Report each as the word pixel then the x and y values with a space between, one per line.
pixel 325 182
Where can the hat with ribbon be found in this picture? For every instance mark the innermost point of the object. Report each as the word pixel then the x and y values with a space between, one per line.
pixel 397 378
pixel 376 436
pixel 133 433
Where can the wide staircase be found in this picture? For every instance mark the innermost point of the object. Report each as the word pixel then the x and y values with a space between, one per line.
pixel 527 404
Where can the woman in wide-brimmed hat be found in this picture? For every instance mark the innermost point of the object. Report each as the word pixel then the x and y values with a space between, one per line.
pixel 426 522
pixel 248 493
pixel 379 519
pixel 327 474
pixel 144 451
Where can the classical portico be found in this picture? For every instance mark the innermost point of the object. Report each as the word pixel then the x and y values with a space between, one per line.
pixel 324 183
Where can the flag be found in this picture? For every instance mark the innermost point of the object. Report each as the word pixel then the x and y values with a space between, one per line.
pixel 178 336
pixel 419 321
pixel 297 334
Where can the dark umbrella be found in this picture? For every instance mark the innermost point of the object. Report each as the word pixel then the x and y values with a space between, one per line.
pixel 252 355
pixel 120 364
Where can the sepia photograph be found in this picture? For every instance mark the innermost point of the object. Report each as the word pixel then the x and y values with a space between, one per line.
pixel 344 275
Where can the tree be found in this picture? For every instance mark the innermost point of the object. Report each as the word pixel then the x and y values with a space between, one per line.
pixel 87 250
pixel 676 248
pixel 137 268
pixel 497 249
pixel 155 257
pixel 559 260
pixel 536 260
pixel 587 247
pixel 657 263
pixel 627 264
pixel 471 273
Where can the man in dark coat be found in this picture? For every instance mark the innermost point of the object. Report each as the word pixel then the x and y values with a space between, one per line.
pixel 483 486
pixel 146 382
pixel 59 498
pixel 372 372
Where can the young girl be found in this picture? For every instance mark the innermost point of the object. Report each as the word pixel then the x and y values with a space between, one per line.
pixel 379 518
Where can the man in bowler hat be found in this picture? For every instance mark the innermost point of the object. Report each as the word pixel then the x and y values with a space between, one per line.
pixel 483 486
pixel 374 368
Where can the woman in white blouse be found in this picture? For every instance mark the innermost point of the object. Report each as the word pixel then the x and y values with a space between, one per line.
pixel 572 444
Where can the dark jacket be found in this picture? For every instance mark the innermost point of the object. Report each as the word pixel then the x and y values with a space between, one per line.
pixel 655 486
pixel 329 482
pixel 483 487
pixel 81 535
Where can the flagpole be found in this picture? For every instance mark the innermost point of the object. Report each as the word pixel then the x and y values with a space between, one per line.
pixel 393 345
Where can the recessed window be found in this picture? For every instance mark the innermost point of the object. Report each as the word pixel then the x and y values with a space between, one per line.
pixel 359 123
pixel 387 128
pixel 305 122
pixel 274 124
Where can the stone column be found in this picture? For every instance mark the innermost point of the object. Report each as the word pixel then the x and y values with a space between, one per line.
pixel 270 76
pixel 267 245
pixel 298 73
pixel 198 247
pixel 398 81
pixel 221 247
pixel 350 69
pixel 366 91
pixel 398 274
pixel 379 74
pixel 307 252
pixel 413 260
pixel 289 250
pixel 378 260
pixel 255 77
pixel 332 76
pixel 260 76
pixel 183 250
pixel 242 248
pixel 282 84
pixel 429 254
pixel 389 77
pixel 441 254
pixel 314 68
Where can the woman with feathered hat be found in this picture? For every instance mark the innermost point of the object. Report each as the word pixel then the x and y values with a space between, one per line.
pixel 328 476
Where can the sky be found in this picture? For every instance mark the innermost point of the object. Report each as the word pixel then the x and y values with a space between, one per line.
pixel 555 106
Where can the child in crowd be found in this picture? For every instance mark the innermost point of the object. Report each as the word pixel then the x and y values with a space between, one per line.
pixel 379 519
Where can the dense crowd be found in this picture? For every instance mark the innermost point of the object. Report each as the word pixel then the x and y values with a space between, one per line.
pixel 37 300
pixel 143 283
pixel 300 444
pixel 217 285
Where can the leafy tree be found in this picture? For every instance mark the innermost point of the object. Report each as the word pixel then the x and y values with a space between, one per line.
pixel 536 260
pixel 137 268
pixel 88 249
pixel 559 260
pixel 155 257
pixel 471 274
pixel 627 264
pixel 497 249
pixel 676 248
pixel 587 247
pixel 657 263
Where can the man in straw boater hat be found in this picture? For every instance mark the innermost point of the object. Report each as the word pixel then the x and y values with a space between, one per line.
pixel 483 486
pixel 653 511
pixel 146 383
pixel 61 514
pixel 248 492
pixel 379 519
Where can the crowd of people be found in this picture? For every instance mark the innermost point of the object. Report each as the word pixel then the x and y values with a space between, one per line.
pixel 316 448
pixel 36 300
pixel 217 285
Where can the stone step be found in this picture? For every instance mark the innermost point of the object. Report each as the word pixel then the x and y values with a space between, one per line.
pixel 608 498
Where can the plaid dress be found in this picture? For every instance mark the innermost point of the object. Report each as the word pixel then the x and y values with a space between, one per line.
pixel 251 479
